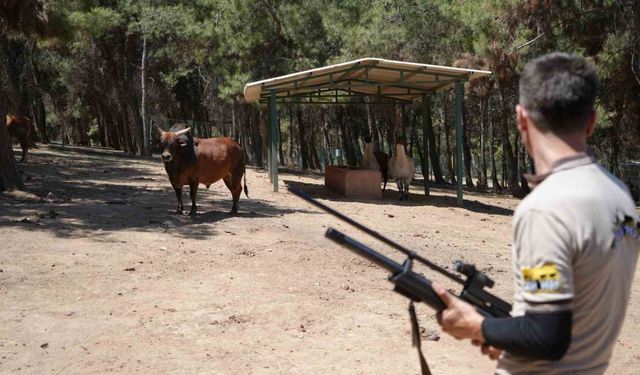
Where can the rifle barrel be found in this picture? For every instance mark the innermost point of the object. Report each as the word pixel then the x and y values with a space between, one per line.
pixel 363 250
pixel 378 236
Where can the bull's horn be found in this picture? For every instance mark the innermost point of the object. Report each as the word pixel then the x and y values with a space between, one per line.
pixel 160 129
pixel 183 131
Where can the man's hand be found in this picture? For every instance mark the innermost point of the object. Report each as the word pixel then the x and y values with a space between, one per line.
pixel 459 319
pixel 488 350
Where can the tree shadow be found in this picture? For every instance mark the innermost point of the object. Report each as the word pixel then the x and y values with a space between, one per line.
pixel 438 198
pixel 77 194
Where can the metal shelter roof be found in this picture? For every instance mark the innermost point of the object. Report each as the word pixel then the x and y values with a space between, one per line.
pixel 399 80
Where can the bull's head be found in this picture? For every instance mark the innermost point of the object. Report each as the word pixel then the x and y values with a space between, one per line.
pixel 175 143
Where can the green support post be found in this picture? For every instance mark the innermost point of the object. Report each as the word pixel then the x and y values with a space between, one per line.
pixel 273 141
pixel 425 144
pixel 459 141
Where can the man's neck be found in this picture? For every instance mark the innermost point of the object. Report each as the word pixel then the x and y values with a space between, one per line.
pixel 555 148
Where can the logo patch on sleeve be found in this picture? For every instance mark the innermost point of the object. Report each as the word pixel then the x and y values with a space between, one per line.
pixel 542 279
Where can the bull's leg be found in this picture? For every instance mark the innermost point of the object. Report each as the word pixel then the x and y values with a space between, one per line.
pixel 234 184
pixel 178 191
pixel 385 178
pixel 399 184
pixel 24 146
pixel 193 191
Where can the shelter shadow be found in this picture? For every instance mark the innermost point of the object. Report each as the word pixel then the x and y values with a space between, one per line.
pixel 436 199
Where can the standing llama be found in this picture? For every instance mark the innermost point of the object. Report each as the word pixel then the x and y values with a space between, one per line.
pixel 402 168
pixel 375 160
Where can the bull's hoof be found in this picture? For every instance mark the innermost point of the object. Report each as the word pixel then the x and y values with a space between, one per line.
pixel 233 211
pixel 178 212
pixel 192 213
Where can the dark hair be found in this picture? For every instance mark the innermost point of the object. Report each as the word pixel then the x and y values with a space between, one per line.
pixel 559 91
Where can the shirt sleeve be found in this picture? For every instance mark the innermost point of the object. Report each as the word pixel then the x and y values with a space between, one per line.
pixel 544 262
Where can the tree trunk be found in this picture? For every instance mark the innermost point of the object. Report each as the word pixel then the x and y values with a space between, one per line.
pixel 424 163
pixel 302 137
pixel 10 179
pixel 372 133
pixel 261 134
pixel 327 141
pixel 40 119
pixel 494 173
pixel 508 155
pixel 433 152
pixel 234 128
pixel 414 134
pixel 503 162
pixel 313 151
pixel 146 143
pixel 466 150
pixel 292 137
pixel 447 144
pixel 482 168
pixel 280 141
pixel 343 135
pixel 38 111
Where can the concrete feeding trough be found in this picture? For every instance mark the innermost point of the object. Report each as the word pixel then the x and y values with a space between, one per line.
pixel 353 183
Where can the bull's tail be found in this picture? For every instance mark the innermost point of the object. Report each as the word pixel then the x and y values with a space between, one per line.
pixel 246 191
pixel 244 167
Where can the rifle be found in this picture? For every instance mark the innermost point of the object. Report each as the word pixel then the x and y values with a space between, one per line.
pixel 414 286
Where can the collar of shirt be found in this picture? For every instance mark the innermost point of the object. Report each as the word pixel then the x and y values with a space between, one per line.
pixel 563 164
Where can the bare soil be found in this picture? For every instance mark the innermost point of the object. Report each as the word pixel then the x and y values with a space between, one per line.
pixel 98 275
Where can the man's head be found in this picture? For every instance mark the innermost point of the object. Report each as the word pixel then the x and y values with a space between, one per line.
pixel 557 95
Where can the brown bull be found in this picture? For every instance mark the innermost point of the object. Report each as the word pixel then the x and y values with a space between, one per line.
pixel 193 161
pixel 19 128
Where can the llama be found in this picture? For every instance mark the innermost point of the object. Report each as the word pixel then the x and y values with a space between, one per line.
pixel 373 160
pixel 369 160
pixel 402 168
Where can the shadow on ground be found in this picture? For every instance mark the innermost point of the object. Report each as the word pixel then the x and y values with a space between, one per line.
pixel 436 199
pixel 102 191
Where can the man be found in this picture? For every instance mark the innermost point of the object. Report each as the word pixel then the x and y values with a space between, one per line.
pixel 576 238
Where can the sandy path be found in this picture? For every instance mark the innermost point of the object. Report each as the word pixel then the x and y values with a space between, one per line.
pixel 113 282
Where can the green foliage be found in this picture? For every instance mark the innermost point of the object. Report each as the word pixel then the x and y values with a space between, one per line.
pixel 201 53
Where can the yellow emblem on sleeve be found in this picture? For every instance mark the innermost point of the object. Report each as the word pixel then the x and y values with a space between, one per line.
pixel 545 278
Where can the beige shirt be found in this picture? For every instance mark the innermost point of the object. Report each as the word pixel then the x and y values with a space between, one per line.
pixel 576 244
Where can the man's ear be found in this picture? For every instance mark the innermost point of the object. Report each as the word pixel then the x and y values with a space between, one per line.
pixel 591 124
pixel 522 118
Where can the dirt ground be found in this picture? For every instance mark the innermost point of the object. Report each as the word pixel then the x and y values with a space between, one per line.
pixel 98 275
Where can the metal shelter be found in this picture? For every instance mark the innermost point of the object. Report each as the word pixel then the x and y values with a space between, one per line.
pixel 401 81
